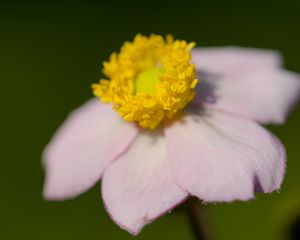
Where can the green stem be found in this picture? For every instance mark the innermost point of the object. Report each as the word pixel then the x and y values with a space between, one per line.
pixel 195 218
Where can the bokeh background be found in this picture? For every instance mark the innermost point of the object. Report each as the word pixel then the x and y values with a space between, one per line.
pixel 50 53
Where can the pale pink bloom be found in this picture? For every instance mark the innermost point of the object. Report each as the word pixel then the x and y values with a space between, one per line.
pixel 217 151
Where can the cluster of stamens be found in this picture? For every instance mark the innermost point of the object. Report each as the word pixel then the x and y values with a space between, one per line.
pixel 150 80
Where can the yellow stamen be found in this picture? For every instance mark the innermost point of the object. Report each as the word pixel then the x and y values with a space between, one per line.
pixel 149 80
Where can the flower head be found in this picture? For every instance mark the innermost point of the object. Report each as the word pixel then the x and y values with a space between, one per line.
pixel 149 80
pixel 214 150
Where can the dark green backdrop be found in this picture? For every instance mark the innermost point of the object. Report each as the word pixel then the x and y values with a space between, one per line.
pixel 52 52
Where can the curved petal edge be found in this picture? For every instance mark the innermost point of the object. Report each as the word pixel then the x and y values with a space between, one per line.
pixel 221 158
pixel 91 137
pixel 139 187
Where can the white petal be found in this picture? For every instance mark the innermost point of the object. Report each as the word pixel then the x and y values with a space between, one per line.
pixel 234 60
pixel 91 137
pixel 219 157
pixel 247 82
pixel 138 187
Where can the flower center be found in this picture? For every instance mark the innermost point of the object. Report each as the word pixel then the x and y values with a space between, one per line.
pixel 141 91
pixel 147 80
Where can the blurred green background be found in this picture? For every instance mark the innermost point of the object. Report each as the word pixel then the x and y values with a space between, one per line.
pixel 50 54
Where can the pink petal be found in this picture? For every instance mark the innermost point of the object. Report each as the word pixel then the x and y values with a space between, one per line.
pixel 91 137
pixel 232 60
pixel 220 157
pixel 247 82
pixel 138 187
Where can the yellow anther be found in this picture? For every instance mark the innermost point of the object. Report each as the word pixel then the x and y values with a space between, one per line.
pixel 149 79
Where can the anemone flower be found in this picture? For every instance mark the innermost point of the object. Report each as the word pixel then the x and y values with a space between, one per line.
pixel 174 122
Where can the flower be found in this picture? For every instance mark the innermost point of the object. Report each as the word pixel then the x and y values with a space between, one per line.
pixel 174 136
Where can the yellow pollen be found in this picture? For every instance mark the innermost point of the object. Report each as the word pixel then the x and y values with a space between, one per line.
pixel 149 80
